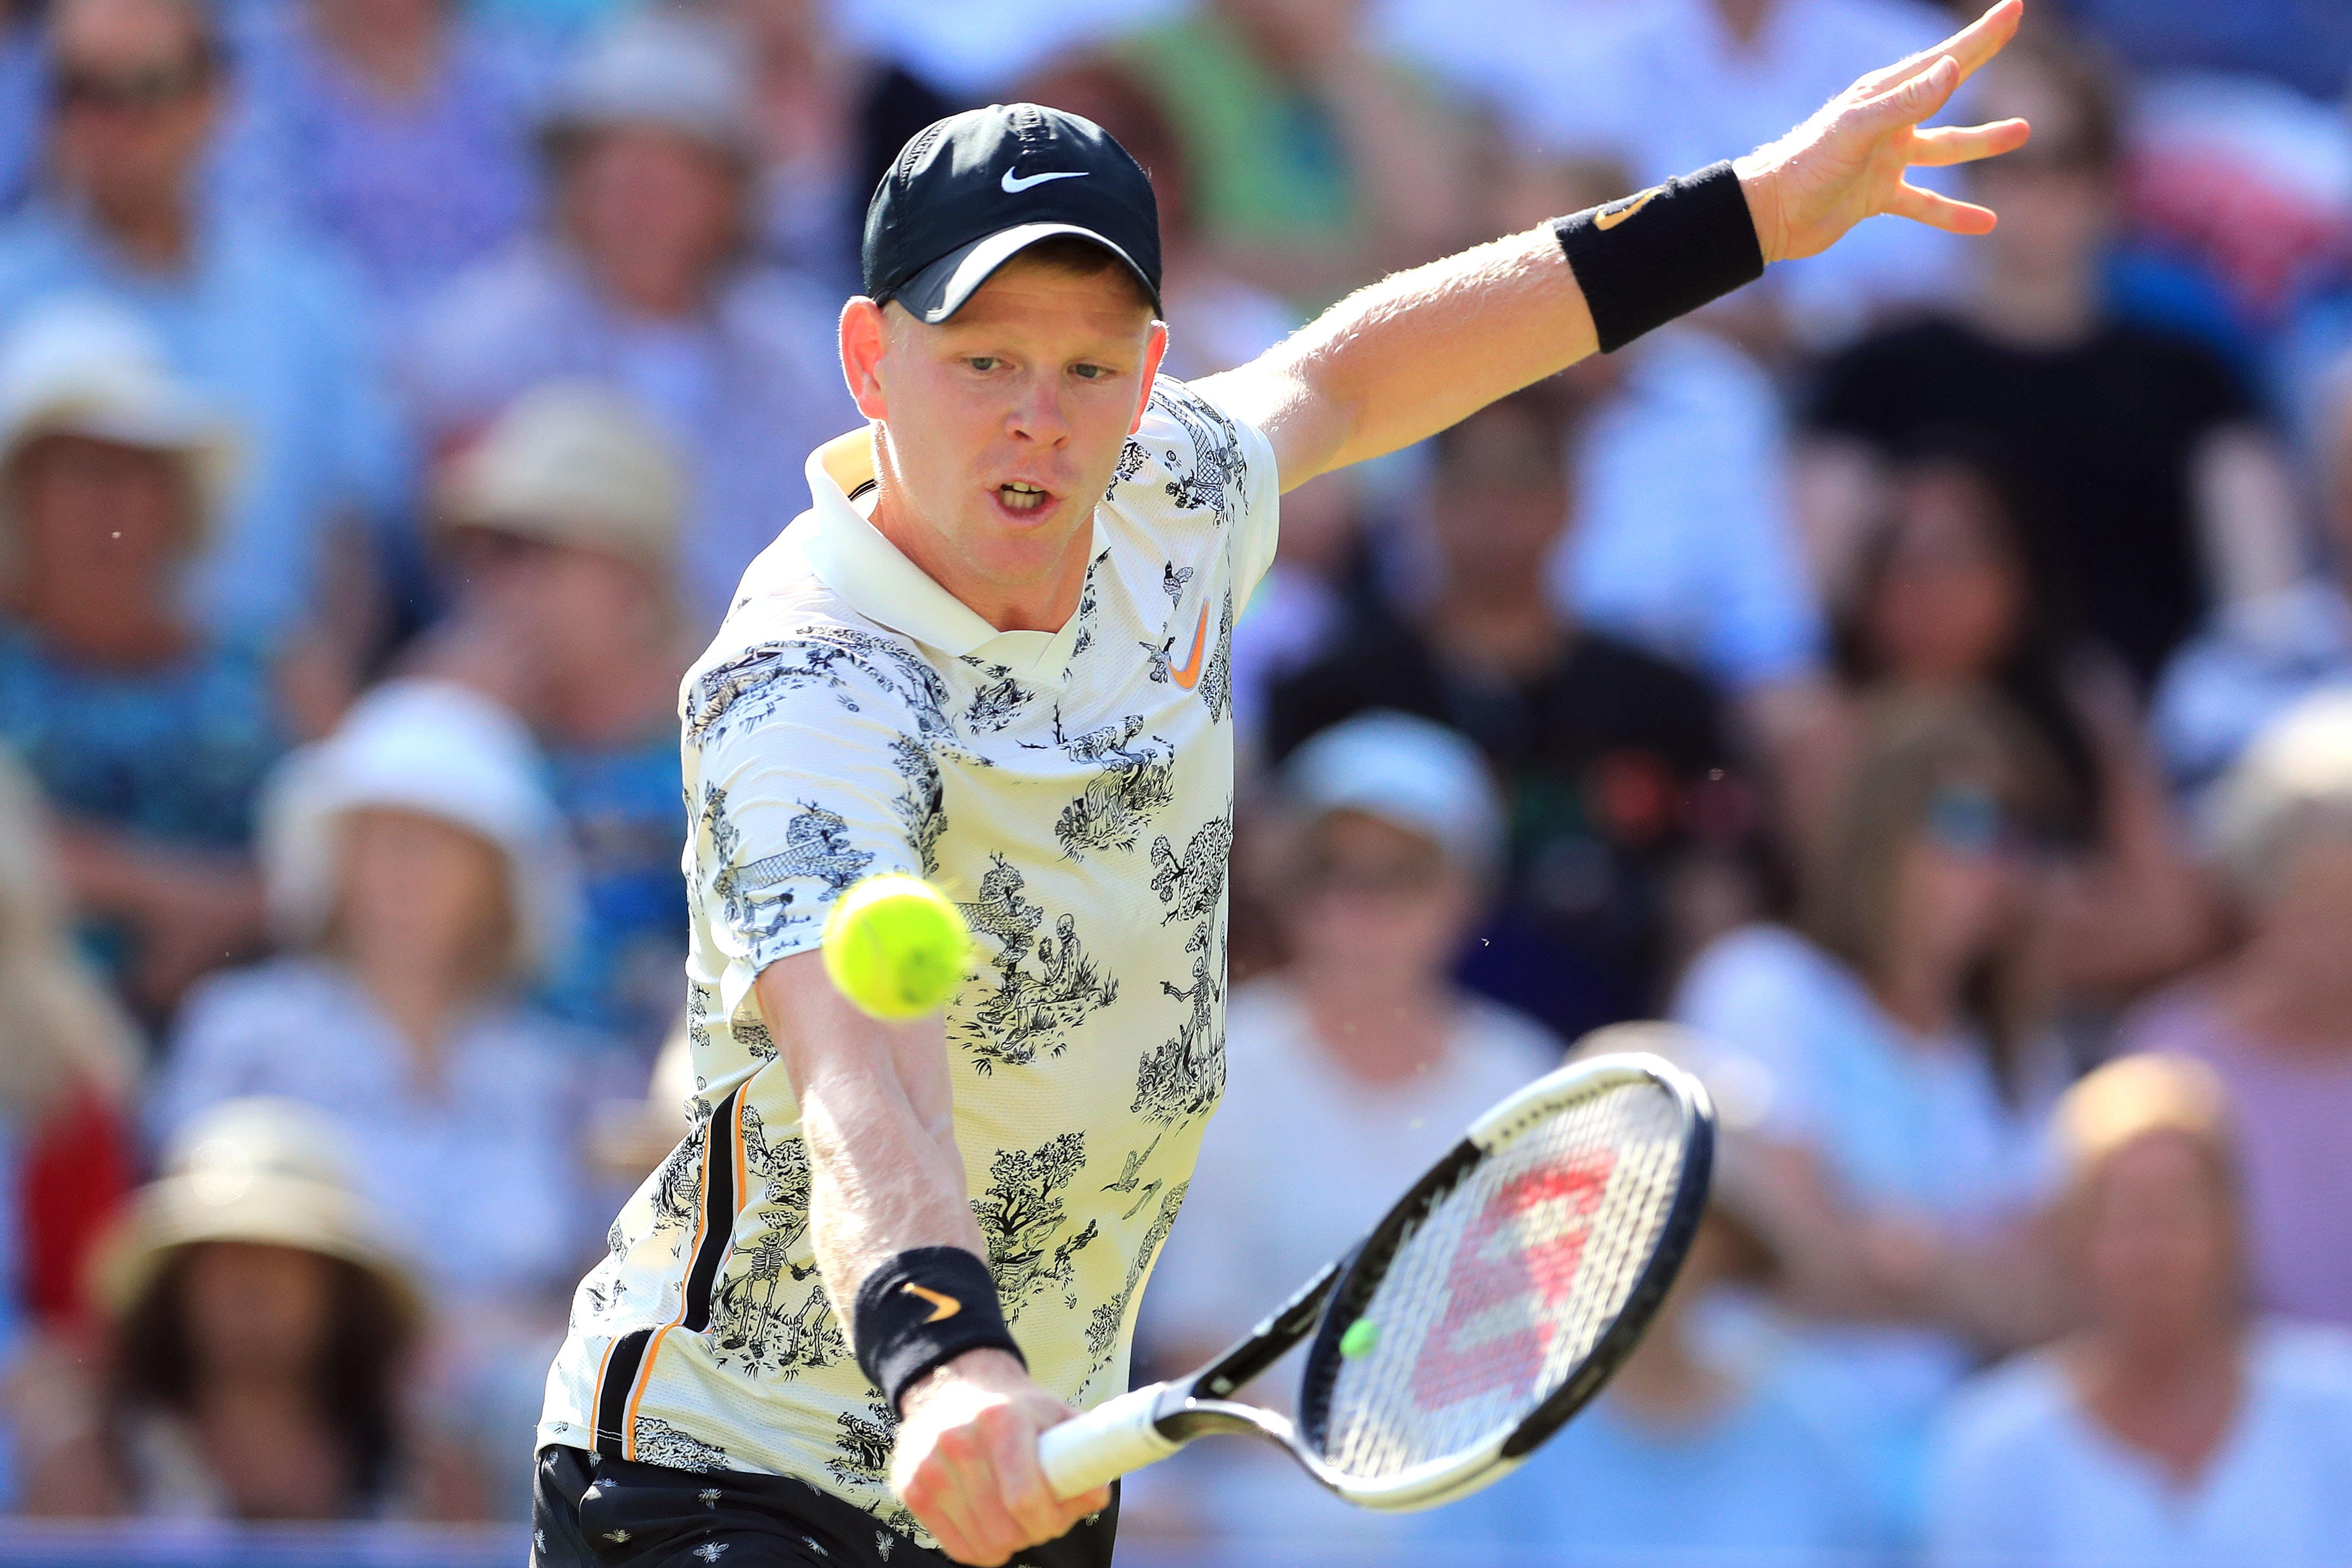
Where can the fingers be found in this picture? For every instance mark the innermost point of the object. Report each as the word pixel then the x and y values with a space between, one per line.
pixel 1914 101
pixel 1028 1496
pixel 1970 47
pixel 1940 212
pixel 1965 145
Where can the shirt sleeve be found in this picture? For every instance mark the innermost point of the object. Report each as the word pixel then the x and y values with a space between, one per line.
pixel 1233 457
pixel 811 769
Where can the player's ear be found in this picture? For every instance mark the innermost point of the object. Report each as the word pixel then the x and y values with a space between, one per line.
pixel 1155 348
pixel 864 337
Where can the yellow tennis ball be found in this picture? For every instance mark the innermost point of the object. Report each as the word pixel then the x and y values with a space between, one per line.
pixel 896 947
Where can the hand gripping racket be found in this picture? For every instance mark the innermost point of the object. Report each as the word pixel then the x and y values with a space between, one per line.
pixel 1490 1304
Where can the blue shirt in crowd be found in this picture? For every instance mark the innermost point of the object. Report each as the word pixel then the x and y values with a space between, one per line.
pixel 1770 1479
pixel 627 825
pixel 273 329
pixel 411 192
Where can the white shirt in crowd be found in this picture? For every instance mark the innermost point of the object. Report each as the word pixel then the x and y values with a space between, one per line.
pixel 1683 539
pixel 2023 1475
pixel 476 1175
pixel 1299 1162
pixel 1904 1125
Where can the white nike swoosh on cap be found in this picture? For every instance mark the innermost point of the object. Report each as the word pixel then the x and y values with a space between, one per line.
pixel 1017 182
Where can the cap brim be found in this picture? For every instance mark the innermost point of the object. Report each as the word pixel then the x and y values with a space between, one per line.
pixel 939 290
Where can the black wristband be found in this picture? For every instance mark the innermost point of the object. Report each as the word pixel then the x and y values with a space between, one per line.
pixel 922 1309
pixel 1646 259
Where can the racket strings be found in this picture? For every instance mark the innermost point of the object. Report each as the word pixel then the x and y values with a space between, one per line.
pixel 1491 1303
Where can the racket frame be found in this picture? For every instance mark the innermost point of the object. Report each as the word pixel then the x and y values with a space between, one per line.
pixel 1147 1424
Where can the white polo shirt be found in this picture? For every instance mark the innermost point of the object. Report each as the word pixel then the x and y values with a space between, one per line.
pixel 1073 790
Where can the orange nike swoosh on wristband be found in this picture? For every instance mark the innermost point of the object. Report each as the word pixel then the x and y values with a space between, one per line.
pixel 1190 675
pixel 1610 216
pixel 942 1307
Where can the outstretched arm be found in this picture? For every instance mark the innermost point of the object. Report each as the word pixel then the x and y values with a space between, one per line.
pixel 1413 353
pixel 876 1114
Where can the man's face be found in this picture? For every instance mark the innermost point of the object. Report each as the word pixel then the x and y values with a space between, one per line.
pixel 1002 425
pixel 131 101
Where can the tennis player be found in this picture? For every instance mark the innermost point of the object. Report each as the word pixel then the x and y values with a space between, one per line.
pixel 995 653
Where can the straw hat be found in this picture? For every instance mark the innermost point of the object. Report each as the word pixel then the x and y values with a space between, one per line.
pixel 258 1170
pixel 442 750
pixel 573 463
pixel 76 365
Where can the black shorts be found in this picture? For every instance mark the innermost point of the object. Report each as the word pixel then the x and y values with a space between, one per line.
pixel 647 1516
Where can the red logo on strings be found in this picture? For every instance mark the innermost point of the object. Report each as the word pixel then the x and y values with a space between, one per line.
pixel 1467 1354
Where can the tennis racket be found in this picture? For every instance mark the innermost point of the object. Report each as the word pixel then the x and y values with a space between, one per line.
pixel 1482 1312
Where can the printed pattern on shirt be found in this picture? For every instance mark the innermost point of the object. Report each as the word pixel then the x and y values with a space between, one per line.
pixel 1080 811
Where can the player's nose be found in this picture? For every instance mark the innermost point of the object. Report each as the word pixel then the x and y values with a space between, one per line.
pixel 1037 413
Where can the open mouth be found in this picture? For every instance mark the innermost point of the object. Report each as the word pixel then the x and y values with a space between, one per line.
pixel 1018 497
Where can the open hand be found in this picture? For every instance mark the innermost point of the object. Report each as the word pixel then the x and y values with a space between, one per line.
pixel 1847 163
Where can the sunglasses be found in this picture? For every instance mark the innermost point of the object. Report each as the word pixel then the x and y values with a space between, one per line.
pixel 127 92
pixel 1365 877
pixel 1967 821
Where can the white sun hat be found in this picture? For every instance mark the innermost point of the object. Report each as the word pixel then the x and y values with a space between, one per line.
pixel 2295 775
pixel 78 365
pixel 1409 773
pixel 443 750
pixel 658 69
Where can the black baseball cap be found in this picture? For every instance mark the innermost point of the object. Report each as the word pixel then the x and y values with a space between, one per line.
pixel 972 191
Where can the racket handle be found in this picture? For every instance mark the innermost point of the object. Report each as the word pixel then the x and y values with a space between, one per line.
pixel 1114 1438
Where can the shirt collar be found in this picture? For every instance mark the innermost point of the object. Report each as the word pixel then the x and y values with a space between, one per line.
pixel 851 558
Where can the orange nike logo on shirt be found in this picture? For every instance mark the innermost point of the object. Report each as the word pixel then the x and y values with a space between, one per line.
pixel 1608 217
pixel 942 1307
pixel 1189 675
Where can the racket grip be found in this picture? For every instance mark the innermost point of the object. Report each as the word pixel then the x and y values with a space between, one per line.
pixel 1107 1442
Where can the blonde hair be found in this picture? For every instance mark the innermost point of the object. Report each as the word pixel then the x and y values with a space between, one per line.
pixel 57 1024
pixel 2133 1097
pixel 2295 781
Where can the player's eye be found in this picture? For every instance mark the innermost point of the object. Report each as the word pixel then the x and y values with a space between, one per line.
pixel 1090 372
pixel 982 362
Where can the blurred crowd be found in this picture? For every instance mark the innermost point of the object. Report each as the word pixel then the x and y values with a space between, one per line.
pixel 1919 684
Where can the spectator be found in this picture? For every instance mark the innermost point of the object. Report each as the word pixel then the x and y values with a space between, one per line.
pixel 643 284
pixel 1900 1036
pixel 262 1329
pixel 1216 321
pixel 1615 764
pixel 2169 1429
pixel 1313 164
pixel 832 117
pixel 1691 1455
pixel 68 1059
pixel 1670 85
pixel 419 875
pixel 398 129
pixel 2143 443
pixel 1351 1070
pixel 149 735
pixel 2273 1021
pixel 2253 660
pixel 1950 598
pixel 258 320
pixel 563 523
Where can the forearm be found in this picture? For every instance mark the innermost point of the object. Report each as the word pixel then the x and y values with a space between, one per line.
pixel 1401 359
pixel 885 1174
